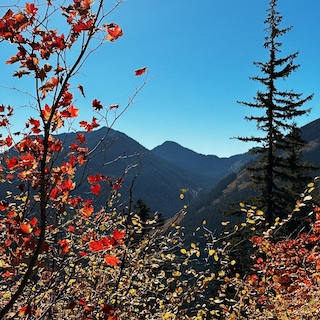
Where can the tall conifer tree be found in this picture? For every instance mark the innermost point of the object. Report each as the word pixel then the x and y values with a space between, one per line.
pixel 273 169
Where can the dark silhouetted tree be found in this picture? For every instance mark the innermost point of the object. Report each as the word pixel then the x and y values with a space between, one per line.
pixel 275 163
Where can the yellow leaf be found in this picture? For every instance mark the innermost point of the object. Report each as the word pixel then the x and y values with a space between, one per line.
pixel 233 262
pixel 181 196
pixel 193 246
pixel 250 221
pixel 212 252
pixel 259 213
pixel 179 290
pixel 198 253
pixel 183 251
pixel 176 273
pixel 310 185
pixel 224 223
pixel 6 295
pixel 204 222
pixel 241 204
pixel 216 257
pixel 221 273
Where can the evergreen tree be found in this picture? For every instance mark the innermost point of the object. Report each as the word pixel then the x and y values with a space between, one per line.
pixel 275 163
pixel 296 171
pixel 142 210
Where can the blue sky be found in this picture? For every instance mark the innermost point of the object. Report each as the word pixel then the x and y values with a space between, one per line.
pixel 201 54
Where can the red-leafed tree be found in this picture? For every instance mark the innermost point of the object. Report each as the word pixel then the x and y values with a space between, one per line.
pixel 49 234
pixel 62 256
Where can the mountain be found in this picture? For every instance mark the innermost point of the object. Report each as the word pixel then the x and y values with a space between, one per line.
pixel 150 177
pixel 235 187
pixel 209 166
pixel 157 180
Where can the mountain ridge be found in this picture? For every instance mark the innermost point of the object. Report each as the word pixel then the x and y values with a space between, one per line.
pixel 235 187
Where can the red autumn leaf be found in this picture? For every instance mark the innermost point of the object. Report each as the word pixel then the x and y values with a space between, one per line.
pixel 3 205
pixel 118 235
pixel 82 254
pixel 94 123
pixel 111 260
pixel 96 104
pixel 31 8
pixel 25 228
pixel 88 209
pixel 114 31
pixel 35 130
pixel 81 138
pixel 116 186
pixel 20 73
pixel 74 202
pixel 33 221
pixel 73 146
pixel 71 112
pixel 114 106
pixel 66 99
pixel 95 189
pixel 96 246
pixel 83 123
pixel 64 245
pixel 46 112
pixel 9 141
pixel 49 85
pixel 4 122
pixel 7 15
pixel 80 87
pixel 106 242
pixel 7 274
pixel 25 310
pixel 67 185
pixel 140 72
pixel 82 26
pixel 34 122
pixel 96 178
pixel 71 229
pixel 81 159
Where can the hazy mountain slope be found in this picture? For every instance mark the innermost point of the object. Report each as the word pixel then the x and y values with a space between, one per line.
pixel 235 188
pixel 156 181
pixel 206 165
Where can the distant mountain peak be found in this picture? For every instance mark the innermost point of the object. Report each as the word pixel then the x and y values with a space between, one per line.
pixel 171 146
pixel 206 165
